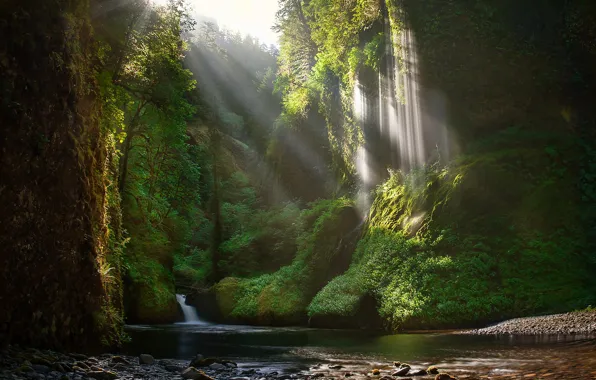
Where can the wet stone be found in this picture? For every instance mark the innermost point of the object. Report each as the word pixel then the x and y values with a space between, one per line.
pixel 39 368
pixel 146 359
pixel 401 372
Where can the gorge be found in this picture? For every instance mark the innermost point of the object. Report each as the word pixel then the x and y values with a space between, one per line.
pixel 168 184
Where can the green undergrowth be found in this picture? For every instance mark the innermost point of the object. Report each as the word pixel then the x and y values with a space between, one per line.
pixel 491 236
pixel 282 297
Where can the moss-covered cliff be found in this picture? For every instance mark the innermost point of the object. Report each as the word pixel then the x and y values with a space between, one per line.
pixel 499 221
pixel 59 223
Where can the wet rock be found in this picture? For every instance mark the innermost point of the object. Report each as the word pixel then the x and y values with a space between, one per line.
pixel 102 375
pixel 336 366
pixel 58 367
pixel 348 374
pixel 419 372
pixel 386 378
pixel 173 368
pixel 146 359
pixel 82 365
pixel 229 363
pixel 397 364
pixel 249 372
pixel 445 376
pixel 217 366
pixel 120 367
pixel 119 359
pixel 200 361
pixel 432 370
pixel 194 374
pixel 317 375
pixel 401 372
pixel 376 372
pixel 239 378
pixel 39 368
pixel 404 365
pixel 25 367
pixel 40 360
pixel 196 359
pixel 78 369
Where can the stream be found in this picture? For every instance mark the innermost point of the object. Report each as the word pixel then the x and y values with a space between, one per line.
pixel 304 349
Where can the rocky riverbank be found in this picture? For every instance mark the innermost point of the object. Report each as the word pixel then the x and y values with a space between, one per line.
pixel 574 362
pixel 32 364
pixel 579 322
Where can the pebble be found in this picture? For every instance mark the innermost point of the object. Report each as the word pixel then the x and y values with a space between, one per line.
pixel 579 322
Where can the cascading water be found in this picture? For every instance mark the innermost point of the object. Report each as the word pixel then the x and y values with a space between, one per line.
pixel 190 313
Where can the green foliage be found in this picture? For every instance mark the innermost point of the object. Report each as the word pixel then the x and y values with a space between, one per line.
pixel 282 297
pixel 341 296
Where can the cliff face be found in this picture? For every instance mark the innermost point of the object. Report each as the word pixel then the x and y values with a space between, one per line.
pixel 59 286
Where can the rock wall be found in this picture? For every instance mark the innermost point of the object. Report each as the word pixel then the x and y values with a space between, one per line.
pixel 59 286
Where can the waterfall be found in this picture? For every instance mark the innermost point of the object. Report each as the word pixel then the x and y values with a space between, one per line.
pixel 190 313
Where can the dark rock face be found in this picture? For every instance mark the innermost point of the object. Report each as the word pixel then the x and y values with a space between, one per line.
pixel 53 225
pixel 206 304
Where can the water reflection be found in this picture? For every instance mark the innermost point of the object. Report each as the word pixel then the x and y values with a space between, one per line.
pixel 303 345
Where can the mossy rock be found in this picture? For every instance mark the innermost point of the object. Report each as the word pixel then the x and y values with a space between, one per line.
pixel 142 305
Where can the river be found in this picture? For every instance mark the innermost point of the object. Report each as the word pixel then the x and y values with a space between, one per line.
pixel 304 349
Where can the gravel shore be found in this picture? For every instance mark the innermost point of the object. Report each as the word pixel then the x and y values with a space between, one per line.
pixel 579 323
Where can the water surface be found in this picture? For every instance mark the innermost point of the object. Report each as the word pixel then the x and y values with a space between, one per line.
pixel 301 348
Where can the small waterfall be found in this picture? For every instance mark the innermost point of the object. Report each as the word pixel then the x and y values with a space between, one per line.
pixel 190 313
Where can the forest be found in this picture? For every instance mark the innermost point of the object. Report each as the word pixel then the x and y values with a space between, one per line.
pixel 389 165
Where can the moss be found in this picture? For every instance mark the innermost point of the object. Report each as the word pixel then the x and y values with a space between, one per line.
pixel 484 246
pixel 62 202
pixel 282 297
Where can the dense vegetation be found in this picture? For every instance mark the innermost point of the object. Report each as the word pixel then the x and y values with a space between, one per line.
pixel 499 225
pixel 226 169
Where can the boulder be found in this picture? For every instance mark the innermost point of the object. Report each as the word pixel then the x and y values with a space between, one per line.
pixel 419 372
pixel 146 359
pixel 194 374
